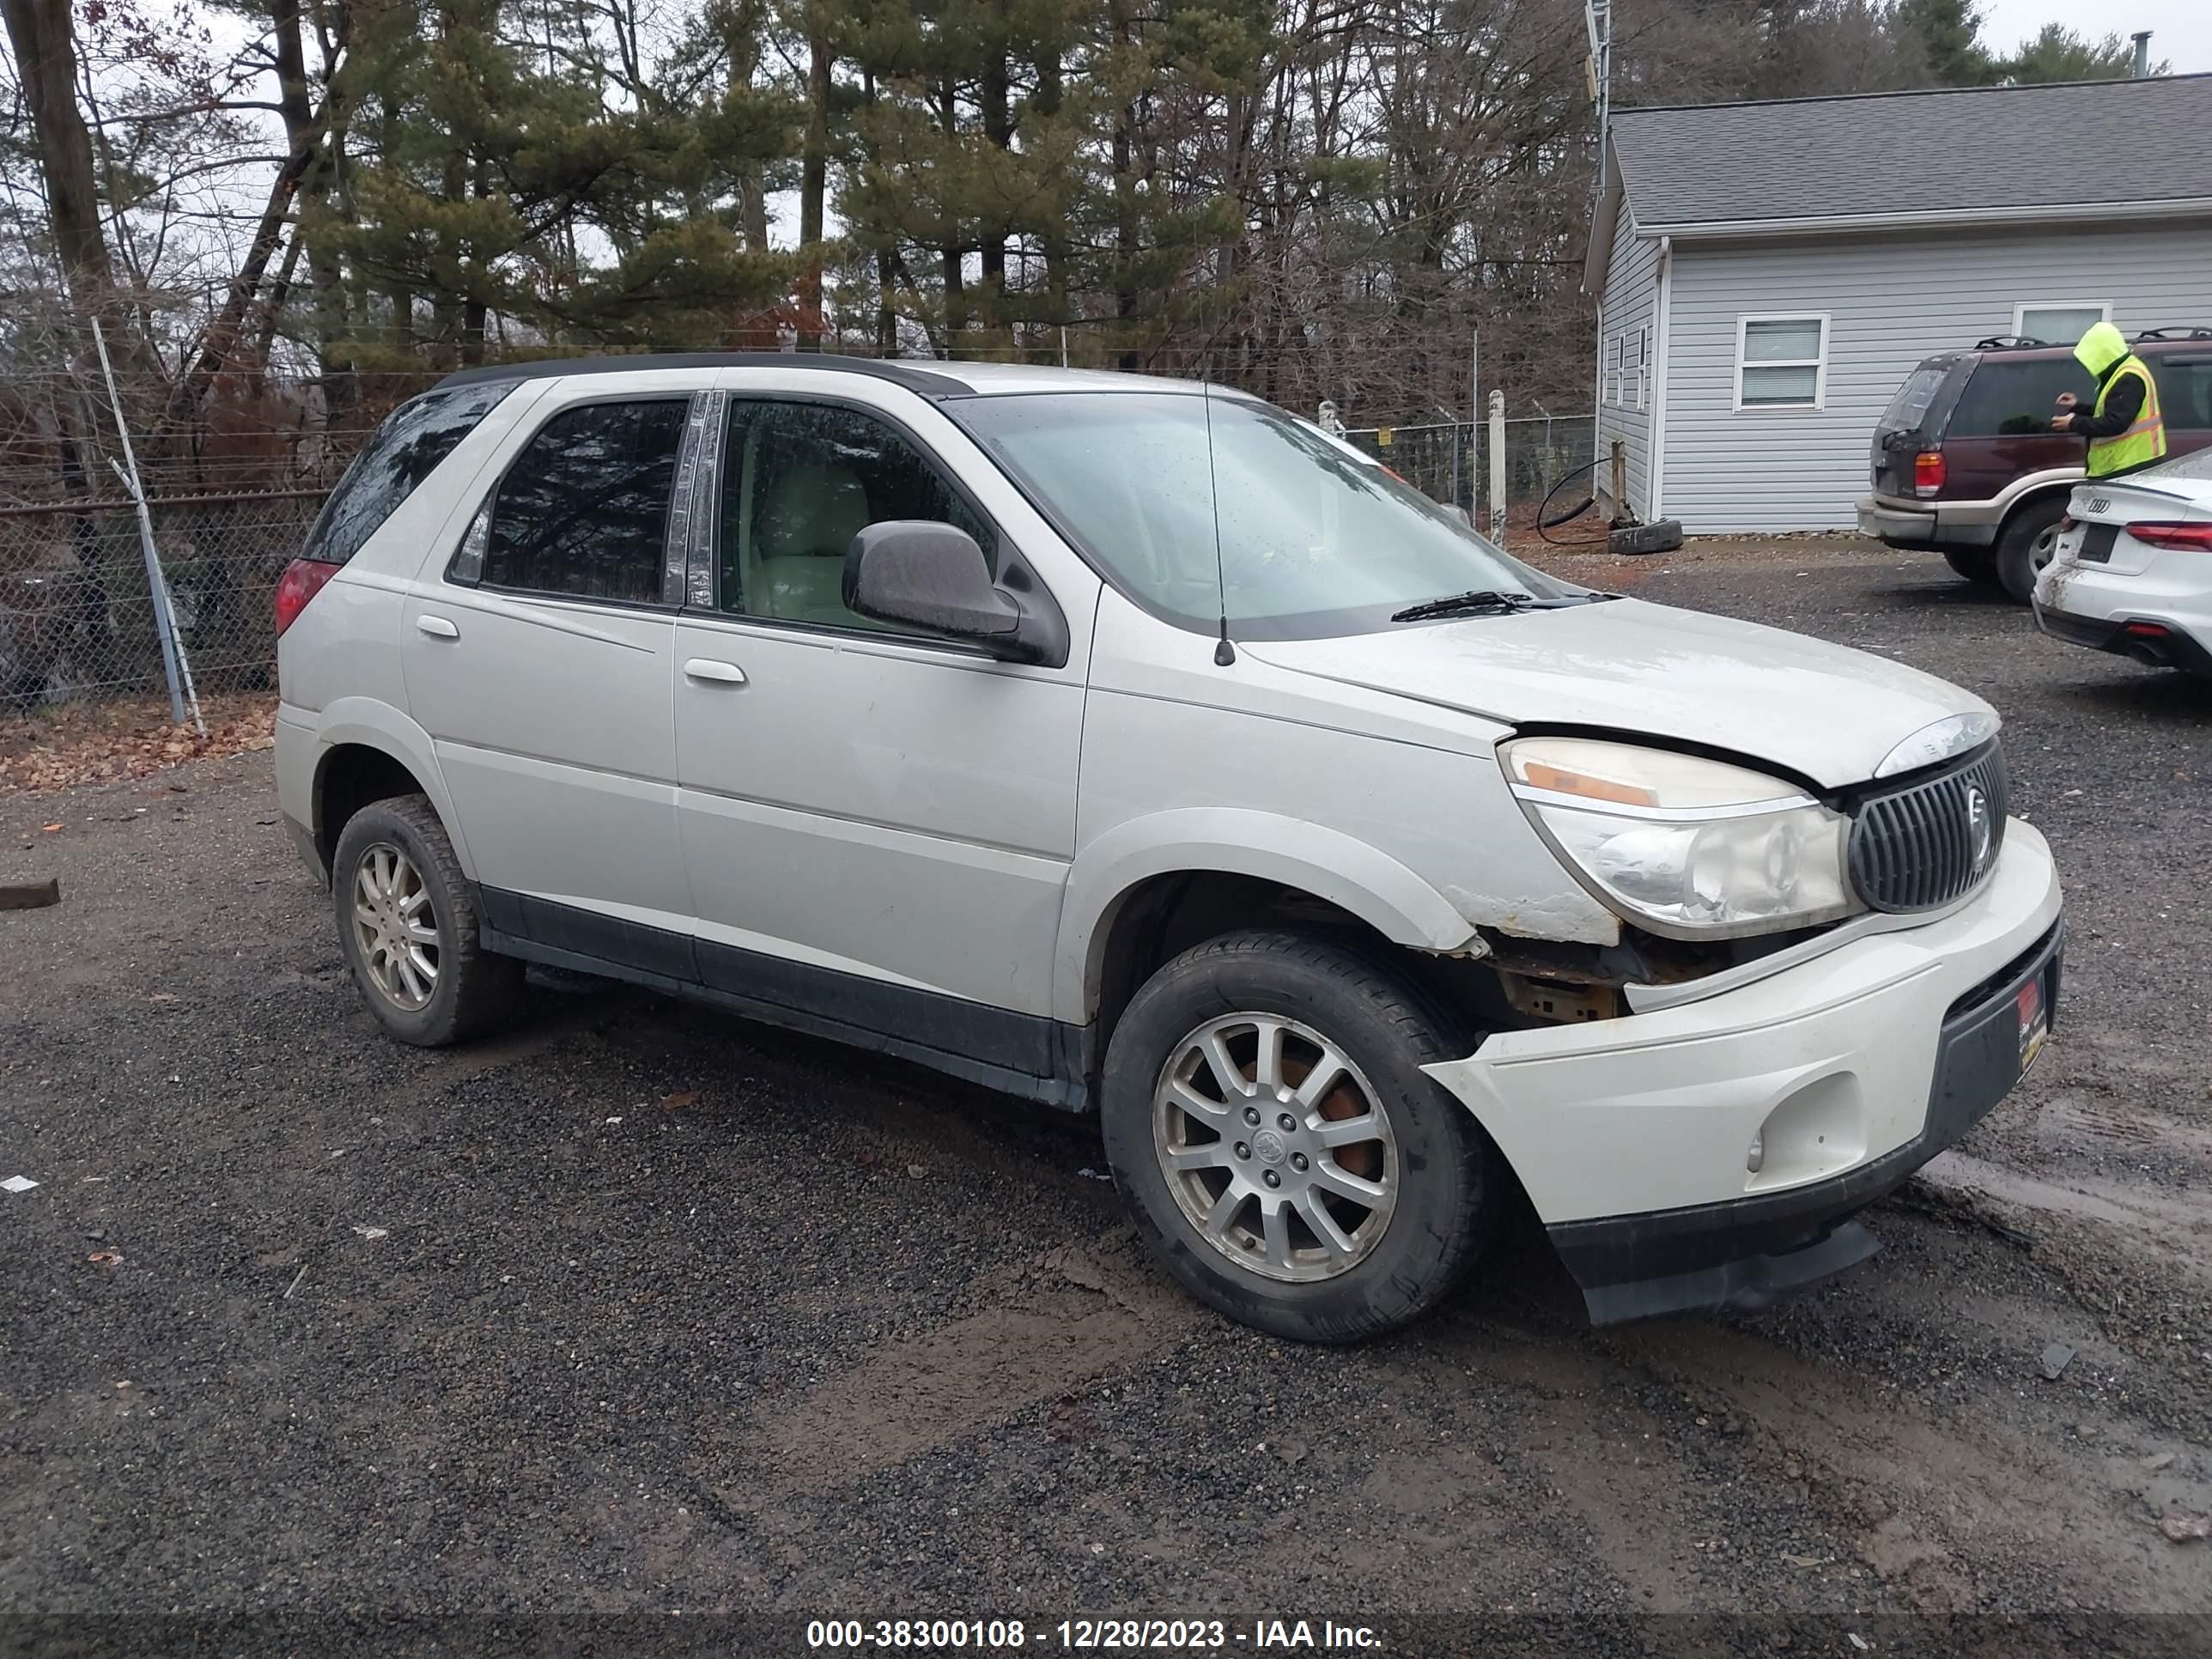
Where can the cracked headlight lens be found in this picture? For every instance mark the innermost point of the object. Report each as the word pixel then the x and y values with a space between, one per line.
pixel 1685 847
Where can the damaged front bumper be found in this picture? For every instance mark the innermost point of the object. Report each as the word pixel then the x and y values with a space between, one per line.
pixel 1712 1154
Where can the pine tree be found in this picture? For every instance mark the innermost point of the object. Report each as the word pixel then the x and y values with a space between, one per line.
pixel 1949 32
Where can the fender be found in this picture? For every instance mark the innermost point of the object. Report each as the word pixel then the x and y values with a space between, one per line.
pixel 1240 841
pixel 376 725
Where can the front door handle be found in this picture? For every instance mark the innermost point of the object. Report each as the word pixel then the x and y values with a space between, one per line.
pixel 438 627
pixel 707 668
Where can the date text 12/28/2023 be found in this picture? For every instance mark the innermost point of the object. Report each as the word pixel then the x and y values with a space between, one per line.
pixel 1094 1635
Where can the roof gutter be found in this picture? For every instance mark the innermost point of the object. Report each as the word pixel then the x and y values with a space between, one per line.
pixel 2180 207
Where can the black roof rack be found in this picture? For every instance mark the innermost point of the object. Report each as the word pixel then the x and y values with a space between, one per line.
pixel 912 376
pixel 2011 343
pixel 2176 332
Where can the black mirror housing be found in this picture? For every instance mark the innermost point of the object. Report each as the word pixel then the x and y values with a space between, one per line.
pixel 930 576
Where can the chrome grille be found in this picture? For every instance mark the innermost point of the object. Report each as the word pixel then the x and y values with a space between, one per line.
pixel 1923 846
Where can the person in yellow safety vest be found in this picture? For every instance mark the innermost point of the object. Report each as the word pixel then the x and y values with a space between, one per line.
pixel 2126 430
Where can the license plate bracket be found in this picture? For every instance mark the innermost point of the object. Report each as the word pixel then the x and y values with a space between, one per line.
pixel 2097 543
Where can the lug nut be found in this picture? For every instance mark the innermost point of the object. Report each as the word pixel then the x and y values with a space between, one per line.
pixel 1272 1178
pixel 1286 1122
pixel 1252 1115
pixel 1297 1160
pixel 1243 1151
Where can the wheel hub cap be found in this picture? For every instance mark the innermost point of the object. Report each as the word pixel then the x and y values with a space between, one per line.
pixel 1273 1148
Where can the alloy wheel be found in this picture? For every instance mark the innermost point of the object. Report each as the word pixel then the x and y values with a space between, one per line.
pixel 395 927
pixel 1274 1148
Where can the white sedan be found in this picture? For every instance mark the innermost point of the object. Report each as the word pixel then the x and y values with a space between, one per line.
pixel 2130 571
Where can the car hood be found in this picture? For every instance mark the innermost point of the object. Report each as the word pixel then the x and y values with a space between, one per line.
pixel 1827 712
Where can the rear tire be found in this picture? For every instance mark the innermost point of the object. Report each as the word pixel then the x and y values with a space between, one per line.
pixel 1335 1253
pixel 429 983
pixel 1976 564
pixel 2024 545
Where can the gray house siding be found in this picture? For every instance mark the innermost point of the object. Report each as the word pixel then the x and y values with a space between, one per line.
pixel 1628 308
pixel 1890 301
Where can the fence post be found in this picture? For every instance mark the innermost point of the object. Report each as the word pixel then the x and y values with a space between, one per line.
pixel 174 666
pixel 1498 468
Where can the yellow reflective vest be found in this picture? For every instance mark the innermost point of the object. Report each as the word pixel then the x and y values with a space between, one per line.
pixel 2142 442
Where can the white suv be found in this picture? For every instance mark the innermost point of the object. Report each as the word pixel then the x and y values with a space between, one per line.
pixel 1137 747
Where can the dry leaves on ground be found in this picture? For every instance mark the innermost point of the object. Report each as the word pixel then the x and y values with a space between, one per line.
pixel 132 738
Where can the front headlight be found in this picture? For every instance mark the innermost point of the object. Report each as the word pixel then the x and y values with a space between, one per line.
pixel 1688 847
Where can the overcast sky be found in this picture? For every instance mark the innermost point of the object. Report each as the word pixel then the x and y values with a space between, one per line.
pixel 2180 33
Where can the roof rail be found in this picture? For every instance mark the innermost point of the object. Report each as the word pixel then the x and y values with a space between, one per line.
pixel 2010 343
pixel 2176 332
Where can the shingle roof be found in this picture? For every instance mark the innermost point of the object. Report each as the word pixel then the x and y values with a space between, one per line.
pixel 1916 152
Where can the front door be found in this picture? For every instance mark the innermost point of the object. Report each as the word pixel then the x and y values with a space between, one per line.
pixel 540 657
pixel 876 827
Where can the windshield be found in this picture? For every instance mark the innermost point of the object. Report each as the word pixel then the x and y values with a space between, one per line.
pixel 1315 538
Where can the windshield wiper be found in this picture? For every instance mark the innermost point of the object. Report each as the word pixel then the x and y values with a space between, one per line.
pixel 1466 604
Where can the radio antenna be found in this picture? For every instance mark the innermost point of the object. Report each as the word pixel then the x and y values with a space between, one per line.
pixel 1223 653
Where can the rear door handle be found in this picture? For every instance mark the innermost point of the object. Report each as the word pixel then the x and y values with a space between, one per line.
pixel 438 627
pixel 707 668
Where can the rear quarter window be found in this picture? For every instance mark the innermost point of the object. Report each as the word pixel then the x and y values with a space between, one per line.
pixel 406 449
pixel 1911 403
pixel 2009 398
pixel 2184 389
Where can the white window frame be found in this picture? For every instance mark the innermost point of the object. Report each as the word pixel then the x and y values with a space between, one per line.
pixel 1644 368
pixel 1819 364
pixel 2022 307
pixel 1616 349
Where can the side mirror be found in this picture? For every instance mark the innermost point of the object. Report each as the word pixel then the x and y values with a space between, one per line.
pixel 930 576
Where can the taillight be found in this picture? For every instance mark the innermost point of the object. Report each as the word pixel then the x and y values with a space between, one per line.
pixel 2174 538
pixel 302 580
pixel 1928 472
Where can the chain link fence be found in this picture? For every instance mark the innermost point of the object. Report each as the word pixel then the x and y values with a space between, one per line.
pixel 1450 462
pixel 76 614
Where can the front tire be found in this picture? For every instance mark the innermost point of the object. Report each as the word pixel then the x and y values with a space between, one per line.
pixel 2026 544
pixel 1287 1160
pixel 407 923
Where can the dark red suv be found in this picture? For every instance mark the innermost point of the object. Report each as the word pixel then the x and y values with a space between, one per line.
pixel 1966 464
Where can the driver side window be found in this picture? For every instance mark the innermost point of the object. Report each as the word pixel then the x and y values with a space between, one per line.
pixel 799 481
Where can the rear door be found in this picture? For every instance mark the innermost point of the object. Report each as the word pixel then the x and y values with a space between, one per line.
pixel 539 656
pixel 1999 429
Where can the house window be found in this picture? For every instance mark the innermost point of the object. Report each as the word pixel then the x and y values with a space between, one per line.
pixel 2058 322
pixel 1613 350
pixel 1782 362
pixel 1643 367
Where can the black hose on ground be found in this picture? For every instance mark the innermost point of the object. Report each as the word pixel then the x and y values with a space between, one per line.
pixel 1546 522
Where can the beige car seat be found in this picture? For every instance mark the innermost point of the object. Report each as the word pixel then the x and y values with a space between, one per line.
pixel 796 566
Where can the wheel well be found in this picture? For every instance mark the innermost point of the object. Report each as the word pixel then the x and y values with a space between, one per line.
pixel 1161 917
pixel 351 776
pixel 2043 497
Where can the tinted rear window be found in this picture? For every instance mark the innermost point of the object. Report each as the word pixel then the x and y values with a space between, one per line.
pixel 2185 390
pixel 406 449
pixel 2006 398
pixel 1912 399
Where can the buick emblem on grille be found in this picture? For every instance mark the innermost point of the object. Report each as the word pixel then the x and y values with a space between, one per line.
pixel 1980 830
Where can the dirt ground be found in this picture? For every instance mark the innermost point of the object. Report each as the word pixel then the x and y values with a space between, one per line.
pixel 645 1310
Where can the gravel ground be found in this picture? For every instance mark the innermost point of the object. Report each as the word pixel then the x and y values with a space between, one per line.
pixel 644 1309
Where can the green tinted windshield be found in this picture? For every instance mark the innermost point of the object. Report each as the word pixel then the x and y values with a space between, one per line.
pixel 1314 537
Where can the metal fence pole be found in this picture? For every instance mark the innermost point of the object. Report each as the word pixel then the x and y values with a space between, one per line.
pixel 1498 468
pixel 174 666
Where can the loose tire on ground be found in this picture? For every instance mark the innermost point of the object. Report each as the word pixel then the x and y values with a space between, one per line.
pixel 1976 564
pixel 1438 1169
pixel 469 991
pixel 2018 559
